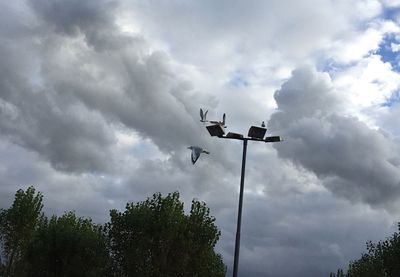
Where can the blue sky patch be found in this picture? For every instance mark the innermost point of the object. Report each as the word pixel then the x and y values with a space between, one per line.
pixel 393 99
pixel 388 52
pixel 239 80
pixel 391 13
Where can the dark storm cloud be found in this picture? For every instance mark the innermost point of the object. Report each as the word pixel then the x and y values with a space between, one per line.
pixel 93 19
pixel 71 138
pixel 126 82
pixel 353 160
pixel 71 16
pixel 74 77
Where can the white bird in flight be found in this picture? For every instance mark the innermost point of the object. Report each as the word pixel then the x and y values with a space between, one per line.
pixel 203 115
pixel 196 151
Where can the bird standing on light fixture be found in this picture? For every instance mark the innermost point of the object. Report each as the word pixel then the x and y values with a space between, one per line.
pixel 221 123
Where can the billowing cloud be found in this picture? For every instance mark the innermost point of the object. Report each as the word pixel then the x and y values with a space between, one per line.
pixel 70 136
pixel 353 161
pixel 81 79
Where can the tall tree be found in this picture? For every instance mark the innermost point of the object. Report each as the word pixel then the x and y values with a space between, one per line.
pixel 68 246
pixel 339 273
pixel 156 238
pixel 17 225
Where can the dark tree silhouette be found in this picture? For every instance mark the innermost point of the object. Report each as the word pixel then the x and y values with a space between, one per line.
pixel 150 238
pixel 17 226
pixel 156 238
pixel 67 246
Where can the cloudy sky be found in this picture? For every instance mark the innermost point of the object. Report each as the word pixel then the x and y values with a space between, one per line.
pixel 100 99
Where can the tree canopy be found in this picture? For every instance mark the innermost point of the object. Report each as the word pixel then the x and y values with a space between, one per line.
pixel 150 238
pixel 17 226
pixel 67 246
pixel 156 238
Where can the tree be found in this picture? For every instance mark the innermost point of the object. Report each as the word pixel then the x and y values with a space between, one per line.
pixel 156 238
pixel 17 225
pixel 150 238
pixel 381 260
pixel 68 246
pixel 339 273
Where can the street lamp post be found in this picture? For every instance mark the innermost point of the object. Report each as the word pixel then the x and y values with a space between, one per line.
pixel 255 134
pixel 239 218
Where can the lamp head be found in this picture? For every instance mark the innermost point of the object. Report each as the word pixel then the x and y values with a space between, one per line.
pixel 257 132
pixel 234 135
pixel 216 130
pixel 273 139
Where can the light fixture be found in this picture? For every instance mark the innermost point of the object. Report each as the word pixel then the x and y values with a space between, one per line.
pixel 216 130
pixel 257 132
pixel 234 135
pixel 273 139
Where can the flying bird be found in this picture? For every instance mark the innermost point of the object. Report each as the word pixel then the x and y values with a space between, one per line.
pixel 196 151
pixel 203 115
pixel 263 124
pixel 222 123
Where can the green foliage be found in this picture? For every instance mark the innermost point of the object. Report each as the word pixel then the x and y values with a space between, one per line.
pixel 17 225
pixel 202 235
pixel 67 246
pixel 381 260
pixel 150 238
pixel 339 273
pixel 156 238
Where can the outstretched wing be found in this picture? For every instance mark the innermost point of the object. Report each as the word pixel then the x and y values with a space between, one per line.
pixel 223 119
pixel 195 154
pixel 201 115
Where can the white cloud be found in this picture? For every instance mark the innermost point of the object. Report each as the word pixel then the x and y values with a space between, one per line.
pixel 368 9
pixel 357 44
pixel 333 145
pixel 395 47
pixel 367 83
pixel 391 3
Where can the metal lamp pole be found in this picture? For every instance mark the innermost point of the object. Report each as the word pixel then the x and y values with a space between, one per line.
pixel 239 219
pixel 255 134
